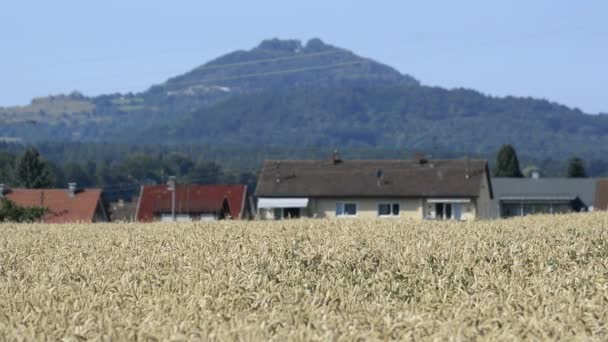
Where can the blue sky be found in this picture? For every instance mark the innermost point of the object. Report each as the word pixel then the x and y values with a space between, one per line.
pixel 556 49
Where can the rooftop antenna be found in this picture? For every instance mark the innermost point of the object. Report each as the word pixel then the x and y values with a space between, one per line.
pixel 171 186
pixel 336 159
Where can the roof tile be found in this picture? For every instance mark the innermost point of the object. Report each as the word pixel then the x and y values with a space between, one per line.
pixel 399 178
pixel 61 207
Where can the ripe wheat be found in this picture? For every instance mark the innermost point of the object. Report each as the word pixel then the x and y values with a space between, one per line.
pixel 542 277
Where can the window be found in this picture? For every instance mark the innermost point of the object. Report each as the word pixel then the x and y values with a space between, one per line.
pixel 388 209
pixel 178 218
pixel 346 209
pixel 183 218
pixel 208 217
pixel 448 211
pixel 278 213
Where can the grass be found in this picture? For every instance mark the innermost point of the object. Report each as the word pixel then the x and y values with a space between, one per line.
pixel 542 277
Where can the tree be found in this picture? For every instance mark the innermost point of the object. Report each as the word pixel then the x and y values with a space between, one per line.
pixel 73 172
pixel 11 212
pixel 576 168
pixel 32 171
pixel 507 164
pixel 7 161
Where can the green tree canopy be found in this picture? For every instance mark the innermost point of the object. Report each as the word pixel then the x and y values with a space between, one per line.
pixel 11 212
pixel 33 172
pixel 507 164
pixel 576 168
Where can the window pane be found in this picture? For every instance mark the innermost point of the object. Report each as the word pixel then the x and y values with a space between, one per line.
pixel 339 209
pixel 457 208
pixel 350 209
pixel 384 209
pixel 439 211
pixel 278 213
pixel 396 209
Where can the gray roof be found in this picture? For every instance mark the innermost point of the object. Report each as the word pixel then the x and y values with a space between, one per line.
pixel 371 178
pixel 545 188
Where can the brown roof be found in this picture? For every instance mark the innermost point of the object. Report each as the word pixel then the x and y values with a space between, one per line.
pixel 61 207
pixel 156 199
pixel 372 178
pixel 601 195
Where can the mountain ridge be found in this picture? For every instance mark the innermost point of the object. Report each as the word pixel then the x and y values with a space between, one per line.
pixel 284 92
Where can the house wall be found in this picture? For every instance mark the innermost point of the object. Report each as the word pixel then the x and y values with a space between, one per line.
pixel 366 207
pixel 485 206
pixel 416 209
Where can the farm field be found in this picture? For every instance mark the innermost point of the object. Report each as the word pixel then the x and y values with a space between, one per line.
pixel 543 277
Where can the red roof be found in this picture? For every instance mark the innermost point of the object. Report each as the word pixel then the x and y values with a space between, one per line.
pixel 61 207
pixel 190 199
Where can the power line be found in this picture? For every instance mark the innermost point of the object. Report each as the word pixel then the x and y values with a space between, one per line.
pixel 244 76
pixel 272 73
pixel 231 65
pixel 276 59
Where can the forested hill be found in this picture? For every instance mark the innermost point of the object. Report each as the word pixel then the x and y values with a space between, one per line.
pixel 290 94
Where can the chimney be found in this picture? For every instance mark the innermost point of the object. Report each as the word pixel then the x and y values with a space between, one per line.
pixel 72 189
pixel 535 175
pixel 335 157
pixel 171 183
pixel 419 157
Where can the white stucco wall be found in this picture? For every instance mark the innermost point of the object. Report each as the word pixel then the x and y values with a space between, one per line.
pixel 366 207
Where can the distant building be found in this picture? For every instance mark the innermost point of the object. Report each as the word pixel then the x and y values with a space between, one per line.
pixel 192 202
pixel 122 211
pixel 409 189
pixel 69 205
pixel 601 195
pixel 525 196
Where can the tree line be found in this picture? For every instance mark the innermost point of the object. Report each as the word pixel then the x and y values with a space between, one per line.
pixel 30 169
pixel 120 178
pixel 507 165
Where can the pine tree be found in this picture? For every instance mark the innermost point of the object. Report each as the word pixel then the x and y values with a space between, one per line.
pixel 507 164
pixel 576 168
pixel 32 171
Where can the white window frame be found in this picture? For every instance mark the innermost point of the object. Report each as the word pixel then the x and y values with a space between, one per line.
pixel 391 205
pixel 167 217
pixel 453 211
pixel 207 217
pixel 343 204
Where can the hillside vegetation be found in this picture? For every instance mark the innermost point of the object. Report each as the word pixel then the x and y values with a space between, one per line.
pixel 285 93
pixel 538 277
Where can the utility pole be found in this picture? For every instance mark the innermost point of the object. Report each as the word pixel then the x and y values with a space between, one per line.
pixel 171 186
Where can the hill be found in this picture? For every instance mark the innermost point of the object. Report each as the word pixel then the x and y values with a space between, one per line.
pixel 285 93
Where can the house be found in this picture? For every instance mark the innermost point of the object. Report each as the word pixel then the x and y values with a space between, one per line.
pixel 191 202
pixel 524 196
pixel 415 189
pixel 69 205
pixel 601 195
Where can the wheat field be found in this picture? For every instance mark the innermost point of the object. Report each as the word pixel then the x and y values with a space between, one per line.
pixel 543 277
